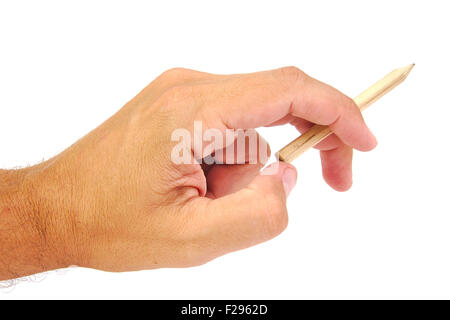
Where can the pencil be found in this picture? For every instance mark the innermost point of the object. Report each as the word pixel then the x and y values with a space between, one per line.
pixel 318 132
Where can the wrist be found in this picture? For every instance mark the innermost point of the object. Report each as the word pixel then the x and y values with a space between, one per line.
pixel 32 229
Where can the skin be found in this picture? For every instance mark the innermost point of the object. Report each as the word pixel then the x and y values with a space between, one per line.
pixel 114 201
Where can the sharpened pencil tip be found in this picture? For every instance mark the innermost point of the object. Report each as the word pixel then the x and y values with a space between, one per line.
pixel 406 70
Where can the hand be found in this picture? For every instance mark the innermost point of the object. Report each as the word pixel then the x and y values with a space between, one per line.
pixel 116 201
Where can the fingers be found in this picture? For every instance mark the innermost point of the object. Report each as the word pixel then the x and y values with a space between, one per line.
pixel 336 158
pixel 303 125
pixel 231 175
pixel 323 104
pixel 252 215
pixel 247 147
pixel 337 167
pixel 226 179
pixel 331 142
pixel 263 98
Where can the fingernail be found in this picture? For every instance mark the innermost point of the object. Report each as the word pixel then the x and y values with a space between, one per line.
pixel 289 179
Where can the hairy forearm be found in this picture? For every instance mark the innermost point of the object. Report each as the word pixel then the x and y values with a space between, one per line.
pixel 28 243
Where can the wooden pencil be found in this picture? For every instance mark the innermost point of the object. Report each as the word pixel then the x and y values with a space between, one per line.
pixel 318 132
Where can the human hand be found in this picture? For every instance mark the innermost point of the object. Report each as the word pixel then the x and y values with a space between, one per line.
pixel 116 201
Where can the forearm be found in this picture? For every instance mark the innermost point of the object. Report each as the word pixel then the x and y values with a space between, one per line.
pixel 28 243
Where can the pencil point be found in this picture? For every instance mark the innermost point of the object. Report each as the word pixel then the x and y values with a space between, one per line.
pixel 407 69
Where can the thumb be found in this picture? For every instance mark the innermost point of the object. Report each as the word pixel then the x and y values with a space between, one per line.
pixel 250 216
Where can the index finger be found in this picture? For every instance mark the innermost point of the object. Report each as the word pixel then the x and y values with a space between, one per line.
pixel 260 99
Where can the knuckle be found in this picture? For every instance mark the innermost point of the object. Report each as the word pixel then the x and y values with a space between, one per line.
pixel 292 73
pixel 173 73
pixel 345 108
pixel 349 102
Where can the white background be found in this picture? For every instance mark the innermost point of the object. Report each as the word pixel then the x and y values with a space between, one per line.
pixel 66 66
